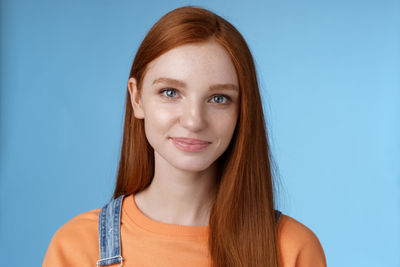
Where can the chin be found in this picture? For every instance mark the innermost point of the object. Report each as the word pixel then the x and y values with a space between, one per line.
pixel 192 165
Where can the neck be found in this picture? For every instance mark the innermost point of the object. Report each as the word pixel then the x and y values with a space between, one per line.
pixel 179 197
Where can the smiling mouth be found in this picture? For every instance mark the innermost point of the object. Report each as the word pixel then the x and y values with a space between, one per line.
pixel 190 145
pixel 190 141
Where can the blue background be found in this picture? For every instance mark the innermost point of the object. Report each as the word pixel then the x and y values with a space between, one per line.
pixel 330 78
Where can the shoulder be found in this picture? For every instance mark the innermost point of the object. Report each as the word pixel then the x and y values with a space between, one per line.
pixel 77 235
pixel 83 224
pixel 299 246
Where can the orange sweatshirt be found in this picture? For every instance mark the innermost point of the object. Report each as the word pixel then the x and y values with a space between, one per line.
pixel 144 242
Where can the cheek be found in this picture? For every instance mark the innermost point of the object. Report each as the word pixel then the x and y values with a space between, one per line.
pixel 157 120
pixel 224 124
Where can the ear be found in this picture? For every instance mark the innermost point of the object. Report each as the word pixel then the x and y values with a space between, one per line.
pixel 136 99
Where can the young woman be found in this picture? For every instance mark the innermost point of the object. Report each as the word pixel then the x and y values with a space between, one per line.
pixel 194 185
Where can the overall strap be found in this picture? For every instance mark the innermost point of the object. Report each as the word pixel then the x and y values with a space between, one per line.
pixel 277 215
pixel 109 233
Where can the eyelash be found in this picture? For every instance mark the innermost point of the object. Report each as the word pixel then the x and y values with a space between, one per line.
pixel 228 99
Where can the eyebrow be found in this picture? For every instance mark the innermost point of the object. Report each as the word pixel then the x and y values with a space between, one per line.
pixel 179 83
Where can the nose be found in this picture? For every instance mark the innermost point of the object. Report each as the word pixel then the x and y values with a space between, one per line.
pixel 193 117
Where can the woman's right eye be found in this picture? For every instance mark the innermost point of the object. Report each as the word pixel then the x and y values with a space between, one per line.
pixel 169 92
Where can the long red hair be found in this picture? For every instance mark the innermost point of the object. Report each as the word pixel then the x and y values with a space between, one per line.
pixel 242 223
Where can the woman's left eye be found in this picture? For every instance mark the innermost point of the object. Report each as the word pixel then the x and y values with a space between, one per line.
pixel 221 97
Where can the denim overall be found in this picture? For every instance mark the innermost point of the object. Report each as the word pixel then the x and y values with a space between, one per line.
pixel 109 232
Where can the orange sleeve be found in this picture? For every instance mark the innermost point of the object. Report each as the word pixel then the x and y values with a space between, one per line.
pixel 75 243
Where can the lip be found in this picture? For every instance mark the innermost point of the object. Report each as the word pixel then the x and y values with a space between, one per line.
pixel 190 144
pixel 190 141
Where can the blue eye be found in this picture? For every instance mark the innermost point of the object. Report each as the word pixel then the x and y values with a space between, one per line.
pixel 169 95
pixel 221 97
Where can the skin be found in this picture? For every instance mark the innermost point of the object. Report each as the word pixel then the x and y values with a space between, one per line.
pixel 183 186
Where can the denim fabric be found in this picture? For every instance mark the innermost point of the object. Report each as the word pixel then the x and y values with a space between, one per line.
pixel 109 233
pixel 277 215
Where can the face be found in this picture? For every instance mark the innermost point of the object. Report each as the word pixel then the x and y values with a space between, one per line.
pixel 191 91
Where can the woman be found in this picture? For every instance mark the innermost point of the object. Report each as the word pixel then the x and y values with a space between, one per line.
pixel 194 185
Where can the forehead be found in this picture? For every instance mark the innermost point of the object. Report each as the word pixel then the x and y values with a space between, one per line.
pixel 206 63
